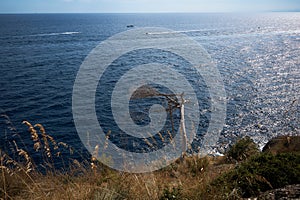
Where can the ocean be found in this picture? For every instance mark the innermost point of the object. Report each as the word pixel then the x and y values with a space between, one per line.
pixel 257 55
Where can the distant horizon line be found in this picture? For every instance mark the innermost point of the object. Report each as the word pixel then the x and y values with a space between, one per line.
pixel 175 12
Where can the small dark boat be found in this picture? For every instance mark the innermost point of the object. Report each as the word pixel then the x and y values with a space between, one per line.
pixel 130 26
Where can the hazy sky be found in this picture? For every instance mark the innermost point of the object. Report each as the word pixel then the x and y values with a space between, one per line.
pixel 108 6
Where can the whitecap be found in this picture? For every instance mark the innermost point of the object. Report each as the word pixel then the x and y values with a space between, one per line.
pixel 53 34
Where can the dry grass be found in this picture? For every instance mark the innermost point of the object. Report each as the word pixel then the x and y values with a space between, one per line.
pixel 105 183
pixel 187 178
pixel 110 184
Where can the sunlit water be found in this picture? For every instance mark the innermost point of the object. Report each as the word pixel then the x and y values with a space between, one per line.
pixel 258 56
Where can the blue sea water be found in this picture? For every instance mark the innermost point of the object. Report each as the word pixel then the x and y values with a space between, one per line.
pixel 258 56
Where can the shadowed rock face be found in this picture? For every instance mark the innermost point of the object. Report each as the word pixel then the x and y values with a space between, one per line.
pixel 283 144
pixel 288 192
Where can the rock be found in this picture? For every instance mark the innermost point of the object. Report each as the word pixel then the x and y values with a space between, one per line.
pixel 283 144
pixel 288 192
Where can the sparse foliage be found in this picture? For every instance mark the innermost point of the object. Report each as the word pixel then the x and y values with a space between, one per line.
pixel 242 150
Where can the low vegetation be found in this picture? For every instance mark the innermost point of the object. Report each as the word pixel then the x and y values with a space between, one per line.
pixel 243 172
pixel 260 173
pixel 243 149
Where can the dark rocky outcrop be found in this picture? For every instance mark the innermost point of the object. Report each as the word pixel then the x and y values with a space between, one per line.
pixel 288 192
pixel 283 144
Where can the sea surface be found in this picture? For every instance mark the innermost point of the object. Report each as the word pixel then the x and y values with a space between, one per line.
pixel 257 55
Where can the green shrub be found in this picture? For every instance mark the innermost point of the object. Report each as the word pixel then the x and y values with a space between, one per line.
pixel 261 173
pixel 242 150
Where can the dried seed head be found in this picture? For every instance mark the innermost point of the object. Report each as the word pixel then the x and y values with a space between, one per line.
pixel 33 132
